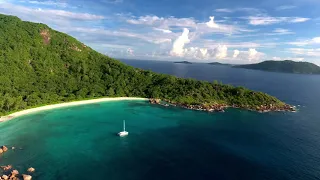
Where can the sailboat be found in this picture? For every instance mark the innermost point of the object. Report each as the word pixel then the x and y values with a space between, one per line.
pixel 124 132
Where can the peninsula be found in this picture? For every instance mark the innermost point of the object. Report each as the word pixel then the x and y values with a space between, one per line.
pixel 219 64
pixel 183 62
pixel 41 66
pixel 286 66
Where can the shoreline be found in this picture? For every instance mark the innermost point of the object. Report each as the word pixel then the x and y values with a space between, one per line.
pixel 222 107
pixel 65 104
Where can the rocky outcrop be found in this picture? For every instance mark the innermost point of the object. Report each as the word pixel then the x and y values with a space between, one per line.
pixel 31 170
pixel 222 107
pixel 155 101
pixel 14 172
pixel 4 177
pixel 26 177
pixel 4 148
pixel 6 168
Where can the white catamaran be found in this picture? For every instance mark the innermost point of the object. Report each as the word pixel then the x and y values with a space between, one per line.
pixel 124 132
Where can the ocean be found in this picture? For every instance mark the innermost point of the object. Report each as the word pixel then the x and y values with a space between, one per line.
pixel 173 143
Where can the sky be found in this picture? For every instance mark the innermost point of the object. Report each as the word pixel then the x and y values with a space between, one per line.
pixel 229 31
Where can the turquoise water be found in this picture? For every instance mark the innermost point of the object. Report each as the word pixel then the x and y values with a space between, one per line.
pixel 171 143
pixel 163 143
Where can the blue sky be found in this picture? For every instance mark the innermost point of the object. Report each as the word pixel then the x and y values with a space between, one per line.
pixel 233 31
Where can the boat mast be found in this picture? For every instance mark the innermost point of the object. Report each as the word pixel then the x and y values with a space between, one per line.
pixel 124 125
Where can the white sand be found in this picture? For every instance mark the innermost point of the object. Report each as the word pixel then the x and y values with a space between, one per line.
pixel 75 103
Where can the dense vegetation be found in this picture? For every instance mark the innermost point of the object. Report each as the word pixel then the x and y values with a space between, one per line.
pixel 286 66
pixel 42 66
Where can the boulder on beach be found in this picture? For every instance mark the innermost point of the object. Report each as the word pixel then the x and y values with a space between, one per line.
pixel 26 177
pixel 31 170
pixel 4 148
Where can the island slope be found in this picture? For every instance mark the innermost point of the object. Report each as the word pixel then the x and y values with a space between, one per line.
pixel 42 66
pixel 286 66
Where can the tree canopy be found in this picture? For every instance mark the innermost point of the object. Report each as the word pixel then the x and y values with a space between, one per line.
pixel 42 66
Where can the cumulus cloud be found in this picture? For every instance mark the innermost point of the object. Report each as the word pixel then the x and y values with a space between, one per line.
pixel 236 53
pixel 211 23
pixel 221 51
pixel 252 53
pixel 178 45
pixel 172 23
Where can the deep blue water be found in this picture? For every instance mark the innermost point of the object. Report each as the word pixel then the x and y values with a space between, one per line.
pixel 173 143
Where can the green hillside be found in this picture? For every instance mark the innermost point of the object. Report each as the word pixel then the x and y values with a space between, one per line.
pixel 42 66
pixel 286 66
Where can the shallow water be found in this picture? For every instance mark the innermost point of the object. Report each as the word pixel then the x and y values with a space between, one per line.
pixel 172 143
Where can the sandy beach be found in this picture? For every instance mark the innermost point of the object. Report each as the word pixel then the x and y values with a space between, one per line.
pixel 67 104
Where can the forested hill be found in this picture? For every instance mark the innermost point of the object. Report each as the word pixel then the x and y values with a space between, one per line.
pixel 42 66
pixel 286 66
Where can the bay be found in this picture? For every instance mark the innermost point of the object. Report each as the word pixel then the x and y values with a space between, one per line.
pixel 172 143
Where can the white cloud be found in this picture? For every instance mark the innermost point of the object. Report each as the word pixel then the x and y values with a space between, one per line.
pixel 211 23
pixel 178 45
pixel 288 58
pixel 285 7
pixel 46 15
pixel 299 20
pixel 267 20
pixel 315 40
pixel 246 10
pixel 163 30
pixel 252 53
pixel 198 28
pixel 236 53
pixel 280 31
pixel 47 3
pixel 305 52
pixel 224 10
pixel 163 23
pixel 221 52
pixel 178 49
pixel 148 37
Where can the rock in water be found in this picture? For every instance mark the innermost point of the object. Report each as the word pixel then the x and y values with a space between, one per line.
pixel 4 148
pixel 26 177
pixel 6 168
pixel 1 151
pixel 14 172
pixel 31 170
pixel 5 177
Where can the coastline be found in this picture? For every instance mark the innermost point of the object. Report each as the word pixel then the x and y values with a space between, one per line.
pixel 222 107
pixel 66 104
